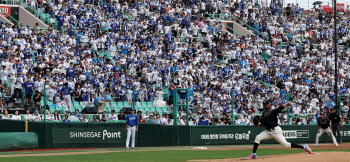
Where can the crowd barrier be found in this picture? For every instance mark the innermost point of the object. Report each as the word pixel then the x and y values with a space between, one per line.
pixel 97 135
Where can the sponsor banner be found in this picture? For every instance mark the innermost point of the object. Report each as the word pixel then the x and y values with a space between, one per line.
pixel 7 9
pixel 340 7
pixel 294 134
pixel 12 11
pixel 217 135
pixel 89 135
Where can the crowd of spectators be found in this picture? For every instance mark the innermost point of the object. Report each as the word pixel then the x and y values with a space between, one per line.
pixel 121 45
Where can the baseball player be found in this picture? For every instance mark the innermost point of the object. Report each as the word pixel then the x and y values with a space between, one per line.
pixel 132 125
pixel 269 120
pixel 323 125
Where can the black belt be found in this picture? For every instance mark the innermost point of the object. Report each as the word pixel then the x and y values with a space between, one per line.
pixel 131 125
pixel 271 129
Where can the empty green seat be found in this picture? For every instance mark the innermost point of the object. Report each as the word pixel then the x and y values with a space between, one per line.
pixel 127 104
pixel 118 109
pixel 144 104
pixel 147 109
pixel 120 103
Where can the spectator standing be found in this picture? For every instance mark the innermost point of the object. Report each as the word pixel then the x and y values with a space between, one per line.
pixel 66 94
pixel 18 86
pixel 37 98
pixel 28 90
pixel 1 105
pixel 107 98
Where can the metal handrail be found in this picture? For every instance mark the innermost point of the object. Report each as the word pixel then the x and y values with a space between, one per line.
pixel 210 15
pixel 251 28
pixel 37 14
pixel 182 38
pixel 127 15
pixel 285 44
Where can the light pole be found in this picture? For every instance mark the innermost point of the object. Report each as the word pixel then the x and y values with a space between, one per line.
pixel 336 54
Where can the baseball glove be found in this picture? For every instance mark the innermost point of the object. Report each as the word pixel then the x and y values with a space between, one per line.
pixel 256 120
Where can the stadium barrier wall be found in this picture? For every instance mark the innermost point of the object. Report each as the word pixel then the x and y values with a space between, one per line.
pixel 11 141
pixel 221 135
pixel 97 135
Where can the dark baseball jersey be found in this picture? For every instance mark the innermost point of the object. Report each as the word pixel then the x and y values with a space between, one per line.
pixel 269 118
pixel 334 117
pixel 323 123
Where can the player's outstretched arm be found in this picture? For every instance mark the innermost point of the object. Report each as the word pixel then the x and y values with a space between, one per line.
pixel 286 104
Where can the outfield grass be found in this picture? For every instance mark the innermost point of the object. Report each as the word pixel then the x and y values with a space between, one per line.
pixel 166 155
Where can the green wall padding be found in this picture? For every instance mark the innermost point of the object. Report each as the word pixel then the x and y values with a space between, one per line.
pixel 11 141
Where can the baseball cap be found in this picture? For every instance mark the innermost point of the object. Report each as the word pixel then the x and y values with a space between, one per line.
pixel 133 109
pixel 267 102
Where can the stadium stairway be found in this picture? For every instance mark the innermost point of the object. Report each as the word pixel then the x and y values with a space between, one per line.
pixel 25 17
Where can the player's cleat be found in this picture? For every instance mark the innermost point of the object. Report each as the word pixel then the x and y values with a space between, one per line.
pixel 132 147
pixel 336 145
pixel 307 149
pixel 316 145
pixel 252 156
pixel 340 142
pixel 126 147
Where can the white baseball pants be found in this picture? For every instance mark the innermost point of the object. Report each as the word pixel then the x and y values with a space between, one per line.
pixel 131 132
pixel 68 102
pixel 327 131
pixel 276 134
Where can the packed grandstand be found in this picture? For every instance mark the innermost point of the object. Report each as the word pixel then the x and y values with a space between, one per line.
pixel 136 53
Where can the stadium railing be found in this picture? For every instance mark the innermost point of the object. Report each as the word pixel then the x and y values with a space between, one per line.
pixel 213 17
pixel 234 18
pixel 44 17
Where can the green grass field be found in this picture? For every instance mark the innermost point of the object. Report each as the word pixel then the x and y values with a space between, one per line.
pixel 147 154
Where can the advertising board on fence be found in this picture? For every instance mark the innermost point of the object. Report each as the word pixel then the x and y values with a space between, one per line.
pixel 104 135
pixel 216 135
pixel 294 134
pixel 90 135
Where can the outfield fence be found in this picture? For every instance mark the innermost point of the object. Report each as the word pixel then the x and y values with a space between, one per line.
pixel 99 135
